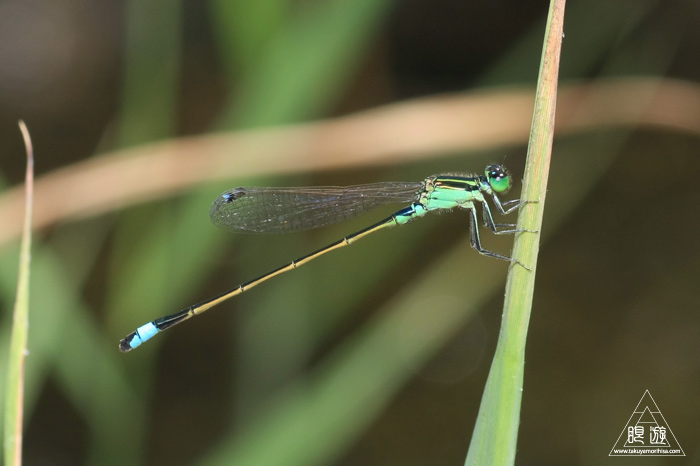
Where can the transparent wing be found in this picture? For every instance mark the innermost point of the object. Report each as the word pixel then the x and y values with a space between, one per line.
pixel 278 210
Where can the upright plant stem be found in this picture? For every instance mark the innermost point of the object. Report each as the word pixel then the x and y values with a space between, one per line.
pixel 494 441
pixel 14 395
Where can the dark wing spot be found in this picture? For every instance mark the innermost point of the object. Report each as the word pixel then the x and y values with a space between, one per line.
pixel 234 194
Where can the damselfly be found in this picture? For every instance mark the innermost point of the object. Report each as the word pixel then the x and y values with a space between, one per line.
pixel 279 210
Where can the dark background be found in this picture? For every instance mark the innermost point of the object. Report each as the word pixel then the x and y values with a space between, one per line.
pixel 616 299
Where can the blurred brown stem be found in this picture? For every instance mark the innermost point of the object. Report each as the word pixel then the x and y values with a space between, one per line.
pixel 396 133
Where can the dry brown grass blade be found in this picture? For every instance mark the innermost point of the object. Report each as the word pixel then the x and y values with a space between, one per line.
pixel 395 133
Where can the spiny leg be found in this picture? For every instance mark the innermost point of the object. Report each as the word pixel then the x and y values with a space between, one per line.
pixel 488 221
pixel 513 204
pixel 512 201
pixel 501 206
pixel 476 240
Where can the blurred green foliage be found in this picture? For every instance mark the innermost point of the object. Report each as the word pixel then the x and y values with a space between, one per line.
pixel 375 354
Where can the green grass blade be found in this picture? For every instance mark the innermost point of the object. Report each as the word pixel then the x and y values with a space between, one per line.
pixel 14 395
pixel 494 441
pixel 151 67
pixel 299 71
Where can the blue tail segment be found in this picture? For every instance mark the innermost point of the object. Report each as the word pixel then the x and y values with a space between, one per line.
pixel 149 330
pixel 134 339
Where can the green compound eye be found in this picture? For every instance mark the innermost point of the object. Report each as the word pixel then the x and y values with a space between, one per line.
pixel 498 177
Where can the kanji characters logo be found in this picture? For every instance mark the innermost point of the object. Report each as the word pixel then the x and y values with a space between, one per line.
pixel 647 433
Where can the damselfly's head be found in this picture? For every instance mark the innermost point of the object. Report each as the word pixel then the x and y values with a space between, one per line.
pixel 498 178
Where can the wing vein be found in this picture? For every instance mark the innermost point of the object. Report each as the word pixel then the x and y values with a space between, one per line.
pixel 278 210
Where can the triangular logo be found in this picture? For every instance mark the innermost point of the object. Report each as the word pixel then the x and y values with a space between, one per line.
pixel 647 433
